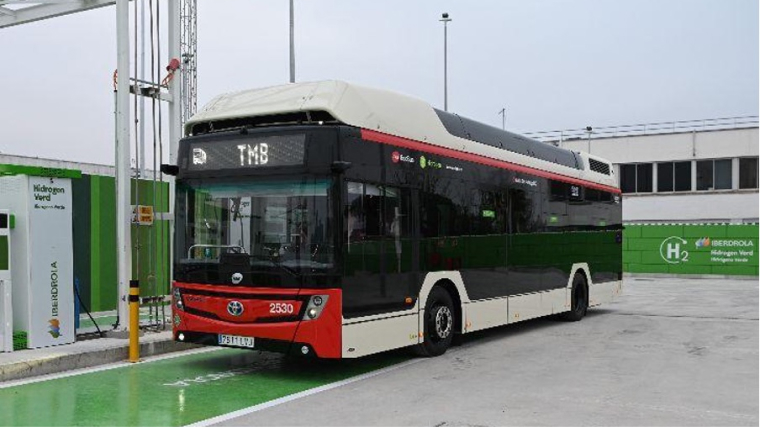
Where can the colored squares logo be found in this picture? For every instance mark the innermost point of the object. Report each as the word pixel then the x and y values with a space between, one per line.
pixel 54 328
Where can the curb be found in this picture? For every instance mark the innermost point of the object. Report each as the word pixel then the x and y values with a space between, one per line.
pixel 66 362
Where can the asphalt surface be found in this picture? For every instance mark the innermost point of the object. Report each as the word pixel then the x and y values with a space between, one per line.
pixel 669 352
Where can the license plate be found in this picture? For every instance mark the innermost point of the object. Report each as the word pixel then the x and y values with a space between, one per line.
pixel 235 341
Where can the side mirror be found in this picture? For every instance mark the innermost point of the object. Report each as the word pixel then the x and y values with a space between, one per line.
pixel 172 170
pixel 340 167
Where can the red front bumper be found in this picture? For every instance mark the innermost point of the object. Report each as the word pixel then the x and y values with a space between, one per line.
pixel 271 314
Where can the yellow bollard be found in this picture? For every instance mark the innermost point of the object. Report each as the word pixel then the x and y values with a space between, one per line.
pixel 134 320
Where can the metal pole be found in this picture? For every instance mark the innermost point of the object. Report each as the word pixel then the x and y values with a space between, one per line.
pixel 445 19
pixel 175 104
pixel 123 238
pixel 142 98
pixel 175 117
pixel 445 69
pixel 503 113
pixel 292 46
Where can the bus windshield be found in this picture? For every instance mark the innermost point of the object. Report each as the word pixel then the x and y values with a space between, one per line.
pixel 252 225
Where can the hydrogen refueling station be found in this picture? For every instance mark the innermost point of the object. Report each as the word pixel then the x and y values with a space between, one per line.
pixel 42 253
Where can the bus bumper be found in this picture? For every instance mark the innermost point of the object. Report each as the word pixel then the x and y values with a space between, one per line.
pixel 202 321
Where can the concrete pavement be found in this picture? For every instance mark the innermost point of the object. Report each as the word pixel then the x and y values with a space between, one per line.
pixel 669 352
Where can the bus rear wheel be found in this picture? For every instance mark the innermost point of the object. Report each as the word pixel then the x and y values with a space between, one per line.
pixel 438 323
pixel 579 299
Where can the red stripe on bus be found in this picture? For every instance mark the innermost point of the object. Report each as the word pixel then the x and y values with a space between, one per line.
pixel 397 141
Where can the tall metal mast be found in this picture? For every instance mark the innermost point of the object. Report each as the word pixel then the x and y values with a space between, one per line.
pixel 188 52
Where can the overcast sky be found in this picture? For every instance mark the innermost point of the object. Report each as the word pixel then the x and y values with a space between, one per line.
pixel 552 64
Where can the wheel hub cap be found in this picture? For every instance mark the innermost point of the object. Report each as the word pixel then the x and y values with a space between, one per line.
pixel 443 322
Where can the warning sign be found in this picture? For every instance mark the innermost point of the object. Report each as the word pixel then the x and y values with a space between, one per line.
pixel 143 215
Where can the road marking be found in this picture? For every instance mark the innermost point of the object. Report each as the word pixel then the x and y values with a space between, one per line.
pixel 108 367
pixel 292 397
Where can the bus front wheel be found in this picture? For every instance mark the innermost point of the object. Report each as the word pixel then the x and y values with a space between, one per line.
pixel 438 323
pixel 578 300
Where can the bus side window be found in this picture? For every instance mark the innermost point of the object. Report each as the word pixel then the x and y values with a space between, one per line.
pixel 363 212
pixel 396 207
pixel 521 213
pixel 488 213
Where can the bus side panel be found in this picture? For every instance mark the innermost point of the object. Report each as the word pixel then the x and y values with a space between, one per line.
pixel 374 336
pixel 602 293
pixel 485 314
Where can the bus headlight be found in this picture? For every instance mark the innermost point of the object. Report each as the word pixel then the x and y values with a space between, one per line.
pixel 177 296
pixel 315 306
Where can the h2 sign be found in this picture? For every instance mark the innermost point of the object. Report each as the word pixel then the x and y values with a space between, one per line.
pixel 673 250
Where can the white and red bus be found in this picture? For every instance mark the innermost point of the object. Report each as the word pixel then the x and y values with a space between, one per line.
pixel 332 220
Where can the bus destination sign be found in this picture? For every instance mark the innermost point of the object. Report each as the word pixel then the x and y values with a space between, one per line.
pixel 247 153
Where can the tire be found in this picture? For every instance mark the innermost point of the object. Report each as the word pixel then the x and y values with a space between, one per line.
pixel 438 323
pixel 578 300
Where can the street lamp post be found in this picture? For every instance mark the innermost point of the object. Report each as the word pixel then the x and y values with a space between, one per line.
pixel 445 19
pixel 292 46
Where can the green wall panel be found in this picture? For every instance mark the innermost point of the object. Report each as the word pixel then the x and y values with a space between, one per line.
pixel 81 196
pixel 704 230
pixel 103 243
pixel 661 231
pixel 742 230
pixel 632 231
pixel 644 268
pixel 4 253
pixel 690 269
pixel 701 249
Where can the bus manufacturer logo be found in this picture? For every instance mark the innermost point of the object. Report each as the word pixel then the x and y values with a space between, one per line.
pixel 235 308
pixel 237 278
pixel 199 156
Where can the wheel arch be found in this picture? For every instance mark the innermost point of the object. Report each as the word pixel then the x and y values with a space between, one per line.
pixel 577 268
pixel 451 281
pixel 584 269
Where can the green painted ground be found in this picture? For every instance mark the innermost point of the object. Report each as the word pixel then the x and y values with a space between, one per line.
pixel 174 392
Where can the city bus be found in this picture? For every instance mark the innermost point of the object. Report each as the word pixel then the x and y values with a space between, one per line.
pixel 332 220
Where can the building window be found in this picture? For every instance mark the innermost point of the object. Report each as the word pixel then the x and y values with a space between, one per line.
pixel 714 175
pixel 665 177
pixel 748 172
pixel 636 178
pixel 723 172
pixel 644 178
pixel 674 176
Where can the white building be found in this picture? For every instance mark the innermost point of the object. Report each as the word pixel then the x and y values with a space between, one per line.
pixel 685 172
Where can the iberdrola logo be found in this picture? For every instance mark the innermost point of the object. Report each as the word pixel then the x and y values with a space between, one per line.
pixel 55 328
pixel 703 242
